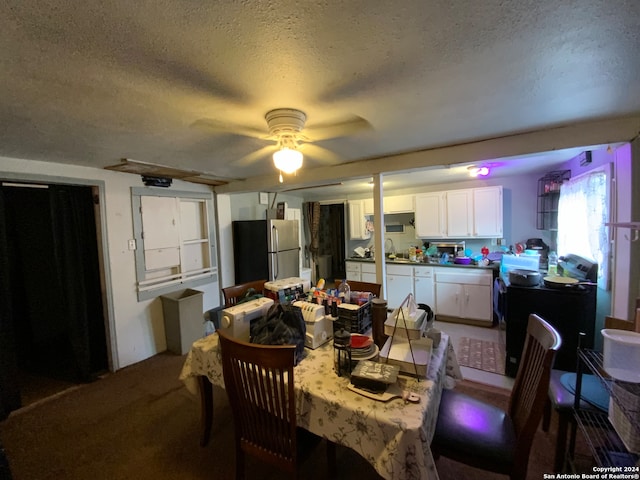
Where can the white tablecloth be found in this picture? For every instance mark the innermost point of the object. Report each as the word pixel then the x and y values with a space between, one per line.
pixel 394 437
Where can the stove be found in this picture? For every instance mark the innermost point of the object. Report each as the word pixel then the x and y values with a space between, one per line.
pixel 570 310
pixel 578 267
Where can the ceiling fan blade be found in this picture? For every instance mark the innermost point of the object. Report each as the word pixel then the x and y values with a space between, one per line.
pixel 209 124
pixel 320 154
pixel 343 128
pixel 253 157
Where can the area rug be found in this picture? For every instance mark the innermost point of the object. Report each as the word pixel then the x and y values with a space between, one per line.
pixel 481 354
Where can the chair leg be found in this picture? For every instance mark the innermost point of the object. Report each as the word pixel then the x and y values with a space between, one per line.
pixel 546 416
pixel 331 459
pixel 561 441
pixel 239 464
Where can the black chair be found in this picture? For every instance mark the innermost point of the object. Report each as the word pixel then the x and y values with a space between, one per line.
pixel 481 435
pixel 562 400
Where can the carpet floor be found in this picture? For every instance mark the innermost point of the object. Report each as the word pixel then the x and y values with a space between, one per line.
pixel 141 423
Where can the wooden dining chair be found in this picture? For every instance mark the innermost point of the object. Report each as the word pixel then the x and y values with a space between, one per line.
pixel 259 383
pixel 357 286
pixel 481 435
pixel 561 400
pixel 235 293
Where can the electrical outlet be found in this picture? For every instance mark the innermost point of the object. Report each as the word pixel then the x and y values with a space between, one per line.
pixel 132 244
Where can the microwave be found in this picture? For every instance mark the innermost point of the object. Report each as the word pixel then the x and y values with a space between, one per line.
pixel 237 319
pixel 453 249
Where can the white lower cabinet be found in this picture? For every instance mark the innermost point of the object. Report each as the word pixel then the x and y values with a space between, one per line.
pixel 368 272
pixel 353 271
pixel 423 286
pixel 399 284
pixel 464 293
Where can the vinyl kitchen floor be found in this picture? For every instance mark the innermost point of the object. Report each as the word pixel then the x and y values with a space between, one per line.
pixel 457 330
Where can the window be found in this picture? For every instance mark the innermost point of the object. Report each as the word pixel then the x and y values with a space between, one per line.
pixel 583 210
pixel 174 238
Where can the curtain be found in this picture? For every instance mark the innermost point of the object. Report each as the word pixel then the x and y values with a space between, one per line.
pixel 10 398
pixel 75 259
pixel 312 217
pixel 583 210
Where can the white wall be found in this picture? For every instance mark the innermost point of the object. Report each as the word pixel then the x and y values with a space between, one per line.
pixel 136 327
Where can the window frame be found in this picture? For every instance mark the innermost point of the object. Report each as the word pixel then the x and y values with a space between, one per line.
pixel 148 287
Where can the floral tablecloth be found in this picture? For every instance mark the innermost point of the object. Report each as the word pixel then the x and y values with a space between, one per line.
pixel 394 437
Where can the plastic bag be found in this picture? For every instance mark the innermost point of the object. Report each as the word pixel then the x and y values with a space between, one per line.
pixel 282 325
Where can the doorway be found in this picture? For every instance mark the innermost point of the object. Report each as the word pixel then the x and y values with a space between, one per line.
pixel 331 254
pixel 52 316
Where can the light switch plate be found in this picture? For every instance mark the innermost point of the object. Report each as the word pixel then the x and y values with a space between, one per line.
pixel 132 244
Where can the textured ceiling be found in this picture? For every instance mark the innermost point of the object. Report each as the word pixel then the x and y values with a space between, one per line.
pixel 92 82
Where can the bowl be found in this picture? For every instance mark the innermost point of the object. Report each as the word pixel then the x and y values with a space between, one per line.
pixel 462 260
pixel 621 354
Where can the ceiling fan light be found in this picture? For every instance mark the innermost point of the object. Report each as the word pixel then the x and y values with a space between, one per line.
pixel 287 160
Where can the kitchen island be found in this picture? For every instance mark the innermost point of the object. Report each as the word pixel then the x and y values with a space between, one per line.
pixel 457 293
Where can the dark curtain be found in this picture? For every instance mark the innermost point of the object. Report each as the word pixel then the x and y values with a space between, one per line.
pixel 312 216
pixel 75 255
pixel 337 240
pixel 9 391
pixel 51 316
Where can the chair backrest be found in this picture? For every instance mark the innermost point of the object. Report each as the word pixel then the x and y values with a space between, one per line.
pixel 235 292
pixel 259 383
pixel 618 323
pixel 531 386
pixel 357 286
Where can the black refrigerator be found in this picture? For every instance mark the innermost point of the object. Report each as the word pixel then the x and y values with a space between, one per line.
pixel 266 249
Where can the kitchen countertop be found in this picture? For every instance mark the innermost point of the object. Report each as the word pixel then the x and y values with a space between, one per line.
pixel 423 264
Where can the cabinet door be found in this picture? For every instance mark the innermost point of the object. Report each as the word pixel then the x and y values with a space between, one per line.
pixel 487 212
pixel 353 270
pixel 430 215
pixel 477 303
pixel 367 206
pixel 449 299
pixel 368 272
pixel 399 204
pixel 459 213
pixel 424 291
pixel 398 287
pixel 357 221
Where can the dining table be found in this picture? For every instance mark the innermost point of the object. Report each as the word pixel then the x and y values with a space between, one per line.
pixel 394 436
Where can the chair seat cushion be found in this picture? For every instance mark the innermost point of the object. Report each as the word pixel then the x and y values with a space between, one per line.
pixel 470 427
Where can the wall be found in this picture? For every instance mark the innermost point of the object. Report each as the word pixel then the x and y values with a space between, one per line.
pixel 137 328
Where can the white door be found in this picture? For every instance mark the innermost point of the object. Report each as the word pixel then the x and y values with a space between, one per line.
pixel 477 303
pixel 448 299
pixel 430 219
pixel 487 212
pixel 459 213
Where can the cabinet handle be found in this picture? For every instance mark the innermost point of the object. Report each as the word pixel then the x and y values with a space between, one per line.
pixel 467 297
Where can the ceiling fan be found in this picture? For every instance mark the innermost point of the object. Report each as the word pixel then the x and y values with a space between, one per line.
pixel 286 126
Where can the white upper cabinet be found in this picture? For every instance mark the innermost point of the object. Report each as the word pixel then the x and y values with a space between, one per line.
pixel 487 212
pixel 367 205
pixel 395 204
pixel 459 213
pixel 465 213
pixel 430 215
pixel 357 221
pixel 399 204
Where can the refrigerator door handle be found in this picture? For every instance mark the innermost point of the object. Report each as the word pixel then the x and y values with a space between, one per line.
pixel 276 247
